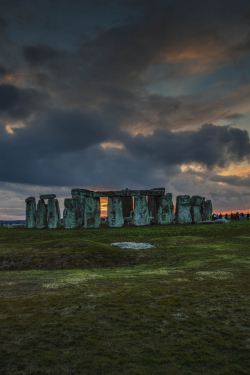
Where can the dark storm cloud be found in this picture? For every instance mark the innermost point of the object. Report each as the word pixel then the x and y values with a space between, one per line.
pixel 39 54
pixel 76 88
pixel 3 24
pixel 209 146
pixel 232 180
pixel 235 116
pixel 32 151
pixel 3 71
pixel 18 103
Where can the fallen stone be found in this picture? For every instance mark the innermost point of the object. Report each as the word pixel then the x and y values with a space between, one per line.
pixel 132 245
pixel 221 221
pixel 47 196
pixel 16 226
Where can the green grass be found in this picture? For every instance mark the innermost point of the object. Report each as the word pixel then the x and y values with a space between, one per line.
pixel 72 304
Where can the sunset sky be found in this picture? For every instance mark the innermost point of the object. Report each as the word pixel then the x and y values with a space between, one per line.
pixel 114 94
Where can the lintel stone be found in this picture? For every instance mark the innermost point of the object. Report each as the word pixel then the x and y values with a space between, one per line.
pixel 129 193
pixel 47 196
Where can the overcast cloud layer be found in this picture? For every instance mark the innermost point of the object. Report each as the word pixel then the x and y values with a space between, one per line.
pixel 114 94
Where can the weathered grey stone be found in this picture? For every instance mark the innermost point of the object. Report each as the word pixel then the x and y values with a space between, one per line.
pixel 30 212
pixel 115 213
pixel 132 245
pixel 207 210
pixel 164 207
pixel 129 193
pixel 152 206
pixel 10 226
pixel 183 209
pixel 197 204
pixel 47 196
pixel 80 195
pixel 53 214
pixel 92 213
pixel 41 215
pixel 221 221
pixel 71 214
pixel 140 214
pixel 127 206
pixel 81 192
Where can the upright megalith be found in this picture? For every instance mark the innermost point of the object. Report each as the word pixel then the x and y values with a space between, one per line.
pixel 71 214
pixel 30 212
pixel 152 206
pixel 115 212
pixel 80 195
pixel 53 214
pixel 164 208
pixel 92 212
pixel 197 204
pixel 127 206
pixel 41 215
pixel 207 210
pixel 141 214
pixel 183 209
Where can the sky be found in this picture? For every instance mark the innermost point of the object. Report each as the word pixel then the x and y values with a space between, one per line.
pixel 114 94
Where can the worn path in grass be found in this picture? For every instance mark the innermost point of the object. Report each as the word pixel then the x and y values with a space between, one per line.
pixel 72 304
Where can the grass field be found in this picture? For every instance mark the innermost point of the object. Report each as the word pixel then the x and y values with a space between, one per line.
pixel 72 304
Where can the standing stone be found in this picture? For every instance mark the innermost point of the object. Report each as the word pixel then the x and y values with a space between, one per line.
pixel 92 212
pixel 152 205
pixel 141 214
pixel 115 212
pixel 164 207
pixel 207 210
pixel 71 214
pixel 53 214
pixel 30 212
pixel 80 195
pixel 183 209
pixel 127 206
pixel 197 204
pixel 41 214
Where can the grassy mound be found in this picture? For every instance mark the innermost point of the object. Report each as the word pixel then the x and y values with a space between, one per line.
pixel 72 304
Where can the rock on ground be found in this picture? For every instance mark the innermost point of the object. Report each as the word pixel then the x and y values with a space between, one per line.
pixel 132 245
pixel 221 221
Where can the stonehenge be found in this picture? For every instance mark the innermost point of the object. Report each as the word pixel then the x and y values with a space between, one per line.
pixel 125 207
